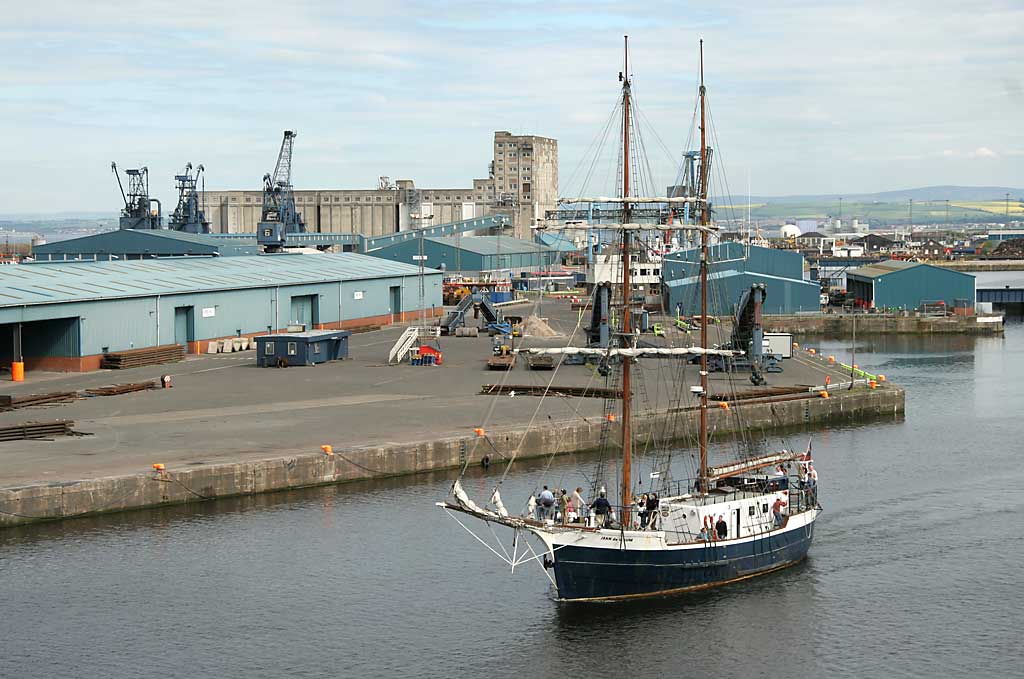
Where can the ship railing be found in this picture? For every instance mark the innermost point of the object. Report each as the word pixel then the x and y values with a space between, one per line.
pixel 800 498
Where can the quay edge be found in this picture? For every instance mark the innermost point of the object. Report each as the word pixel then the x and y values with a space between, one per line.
pixel 841 325
pixel 71 499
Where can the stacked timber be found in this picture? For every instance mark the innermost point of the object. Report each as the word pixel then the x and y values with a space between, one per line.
pixel 8 402
pixel 136 358
pixel 37 430
pixel 118 389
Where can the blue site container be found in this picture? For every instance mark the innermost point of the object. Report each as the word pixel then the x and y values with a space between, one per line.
pixel 301 348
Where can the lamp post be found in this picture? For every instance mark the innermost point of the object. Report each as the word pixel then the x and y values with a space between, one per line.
pixel 421 258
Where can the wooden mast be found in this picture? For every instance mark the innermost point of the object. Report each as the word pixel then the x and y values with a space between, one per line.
pixel 627 428
pixel 704 220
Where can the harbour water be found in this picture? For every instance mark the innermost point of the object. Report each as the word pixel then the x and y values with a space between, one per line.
pixel 913 571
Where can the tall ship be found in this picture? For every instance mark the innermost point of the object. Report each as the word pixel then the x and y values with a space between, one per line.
pixel 744 517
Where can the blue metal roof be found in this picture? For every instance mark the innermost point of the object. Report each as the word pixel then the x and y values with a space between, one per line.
pixel 556 241
pixel 890 266
pixel 308 334
pixel 733 273
pixel 157 242
pixel 56 282
pixel 491 245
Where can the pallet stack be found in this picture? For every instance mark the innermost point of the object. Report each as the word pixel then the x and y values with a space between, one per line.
pixel 8 402
pixel 118 389
pixel 136 358
pixel 37 430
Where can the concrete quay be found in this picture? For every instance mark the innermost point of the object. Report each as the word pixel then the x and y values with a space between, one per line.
pixel 228 428
pixel 841 325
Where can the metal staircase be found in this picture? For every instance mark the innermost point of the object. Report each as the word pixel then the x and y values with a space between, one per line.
pixel 411 337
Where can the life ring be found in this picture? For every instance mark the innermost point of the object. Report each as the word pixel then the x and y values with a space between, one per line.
pixel 282 362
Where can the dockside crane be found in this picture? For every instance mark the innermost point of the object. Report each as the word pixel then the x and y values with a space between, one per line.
pixel 279 214
pixel 189 215
pixel 137 212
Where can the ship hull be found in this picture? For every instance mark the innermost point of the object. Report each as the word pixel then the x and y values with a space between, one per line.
pixel 585 573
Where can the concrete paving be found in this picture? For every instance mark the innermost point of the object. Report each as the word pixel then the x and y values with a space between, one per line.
pixel 222 408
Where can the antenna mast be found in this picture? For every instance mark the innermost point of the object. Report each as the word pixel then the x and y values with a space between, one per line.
pixel 627 428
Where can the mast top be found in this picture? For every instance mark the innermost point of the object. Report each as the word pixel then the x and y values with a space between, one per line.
pixel 702 65
pixel 624 73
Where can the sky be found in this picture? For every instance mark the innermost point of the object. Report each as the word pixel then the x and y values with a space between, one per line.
pixel 806 97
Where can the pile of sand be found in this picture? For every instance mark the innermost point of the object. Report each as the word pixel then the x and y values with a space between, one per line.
pixel 535 326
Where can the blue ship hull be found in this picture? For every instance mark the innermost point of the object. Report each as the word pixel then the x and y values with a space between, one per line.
pixel 591 573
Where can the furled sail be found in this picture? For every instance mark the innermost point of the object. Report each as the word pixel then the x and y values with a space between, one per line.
pixel 496 501
pixel 749 465
pixel 466 503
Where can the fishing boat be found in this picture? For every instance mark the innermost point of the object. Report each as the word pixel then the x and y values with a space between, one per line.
pixel 743 518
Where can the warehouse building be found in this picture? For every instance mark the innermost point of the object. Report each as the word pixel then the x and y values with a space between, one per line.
pixel 733 269
pixel 472 255
pixel 70 314
pixel 908 285
pixel 521 183
pixel 142 244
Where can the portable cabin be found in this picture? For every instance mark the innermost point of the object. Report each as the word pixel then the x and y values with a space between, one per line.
pixel 301 348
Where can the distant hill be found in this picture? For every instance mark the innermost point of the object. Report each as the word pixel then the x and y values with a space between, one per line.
pixel 923 194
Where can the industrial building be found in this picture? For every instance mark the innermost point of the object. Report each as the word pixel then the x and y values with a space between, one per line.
pixel 733 269
pixel 70 314
pixel 522 183
pixel 142 244
pixel 908 285
pixel 473 254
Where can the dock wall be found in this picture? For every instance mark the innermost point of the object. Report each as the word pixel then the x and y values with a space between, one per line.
pixel 63 500
pixel 841 325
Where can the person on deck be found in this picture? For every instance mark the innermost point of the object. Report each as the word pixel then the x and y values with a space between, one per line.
pixel 777 511
pixel 812 482
pixel 705 535
pixel 563 506
pixel 641 510
pixel 652 511
pixel 721 527
pixel 780 471
pixel 546 506
pixel 602 510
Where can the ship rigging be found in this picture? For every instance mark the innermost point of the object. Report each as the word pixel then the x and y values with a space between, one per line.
pixel 729 522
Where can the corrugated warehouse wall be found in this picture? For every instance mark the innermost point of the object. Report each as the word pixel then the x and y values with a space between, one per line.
pixel 472 253
pixel 784 295
pixel 115 325
pixel 252 299
pixel 910 287
pixel 735 257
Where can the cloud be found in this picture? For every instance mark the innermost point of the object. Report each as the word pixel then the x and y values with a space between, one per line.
pixel 873 91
